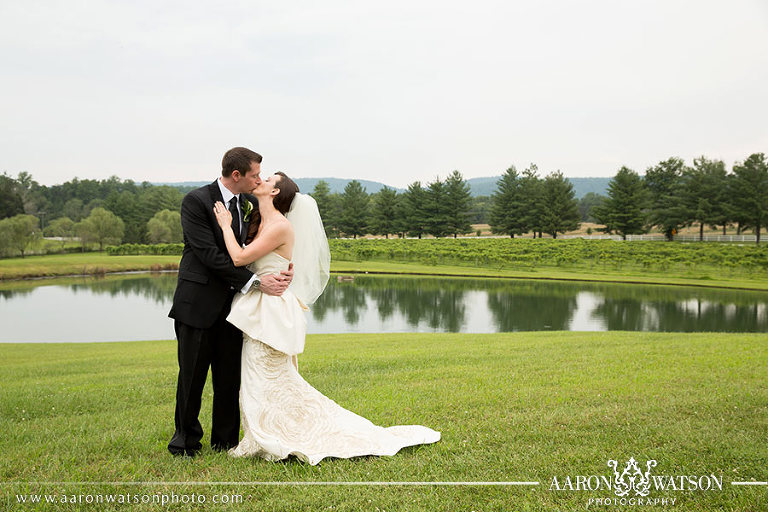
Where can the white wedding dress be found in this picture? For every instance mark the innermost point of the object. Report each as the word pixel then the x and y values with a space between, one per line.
pixel 282 414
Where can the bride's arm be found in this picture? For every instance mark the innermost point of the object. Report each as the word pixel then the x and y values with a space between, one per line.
pixel 269 240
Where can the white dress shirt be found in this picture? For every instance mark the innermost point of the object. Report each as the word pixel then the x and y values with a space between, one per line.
pixel 228 195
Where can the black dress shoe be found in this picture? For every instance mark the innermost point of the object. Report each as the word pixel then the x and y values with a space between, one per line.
pixel 222 447
pixel 176 452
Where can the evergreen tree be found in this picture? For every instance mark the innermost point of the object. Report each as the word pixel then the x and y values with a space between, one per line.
pixel 400 220
pixel 412 210
pixel 384 212
pixel 704 193
pixel 354 210
pixel 624 210
pixel 507 215
pixel 459 201
pixel 437 216
pixel 749 190
pixel 664 184
pixel 560 210
pixel 716 188
pixel 531 190
pixel 334 223
pixel 322 196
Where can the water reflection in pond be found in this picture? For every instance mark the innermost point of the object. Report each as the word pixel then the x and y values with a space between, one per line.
pixel 489 305
pixel 133 307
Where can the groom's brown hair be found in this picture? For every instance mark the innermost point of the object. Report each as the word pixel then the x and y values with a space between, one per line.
pixel 238 159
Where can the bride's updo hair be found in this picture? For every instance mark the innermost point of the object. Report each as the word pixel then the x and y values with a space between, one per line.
pixel 288 189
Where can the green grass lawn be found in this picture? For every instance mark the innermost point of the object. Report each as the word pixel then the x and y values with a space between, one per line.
pixel 84 263
pixel 511 407
pixel 97 263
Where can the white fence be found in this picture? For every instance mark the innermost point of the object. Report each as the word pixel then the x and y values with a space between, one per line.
pixel 677 238
pixel 631 238
pixel 717 238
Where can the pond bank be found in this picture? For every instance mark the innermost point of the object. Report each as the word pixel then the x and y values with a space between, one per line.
pixel 66 265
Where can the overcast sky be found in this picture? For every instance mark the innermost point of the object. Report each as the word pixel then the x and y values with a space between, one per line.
pixel 390 91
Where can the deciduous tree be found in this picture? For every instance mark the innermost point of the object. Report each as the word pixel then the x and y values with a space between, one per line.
pixel 20 232
pixel 165 227
pixel 101 226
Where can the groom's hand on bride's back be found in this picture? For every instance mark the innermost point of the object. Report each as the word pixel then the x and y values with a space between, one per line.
pixel 272 284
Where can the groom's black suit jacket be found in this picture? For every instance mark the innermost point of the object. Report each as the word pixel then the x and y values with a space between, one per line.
pixel 207 277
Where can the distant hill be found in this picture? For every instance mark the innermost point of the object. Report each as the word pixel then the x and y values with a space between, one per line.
pixel 581 186
pixel 483 186
pixel 338 184
pixel 305 184
pixel 478 186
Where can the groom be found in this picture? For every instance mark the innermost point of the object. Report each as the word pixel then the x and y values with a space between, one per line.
pixel 208 280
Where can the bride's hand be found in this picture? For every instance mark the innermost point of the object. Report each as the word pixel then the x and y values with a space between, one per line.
pixel 222 214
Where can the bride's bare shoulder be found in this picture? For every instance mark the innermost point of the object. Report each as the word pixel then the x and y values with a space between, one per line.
pixel 285 224
pixel 281 228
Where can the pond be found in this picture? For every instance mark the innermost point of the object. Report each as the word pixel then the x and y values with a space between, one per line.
pixel 135 306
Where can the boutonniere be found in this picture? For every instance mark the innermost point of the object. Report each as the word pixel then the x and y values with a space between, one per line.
pixel 247 210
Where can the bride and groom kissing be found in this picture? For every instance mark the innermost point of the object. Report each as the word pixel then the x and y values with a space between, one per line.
pixel 255 255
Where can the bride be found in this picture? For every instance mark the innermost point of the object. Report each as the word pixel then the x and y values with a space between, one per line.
pixel 282 414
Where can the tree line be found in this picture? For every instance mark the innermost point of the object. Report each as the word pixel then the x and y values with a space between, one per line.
pixel 94 211
pixel 672 195
pixel 446 208
pixel 113 211
pixel 439 208
pixel 669 196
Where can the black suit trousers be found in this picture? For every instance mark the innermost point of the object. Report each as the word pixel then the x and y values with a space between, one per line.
pixel 218 347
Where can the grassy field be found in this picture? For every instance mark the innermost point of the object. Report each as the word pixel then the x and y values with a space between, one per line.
pixel 99 263
pixel 511 407
pixel 77 264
